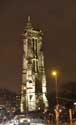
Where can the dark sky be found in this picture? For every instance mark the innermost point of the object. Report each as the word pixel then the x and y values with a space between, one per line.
pixel 57 20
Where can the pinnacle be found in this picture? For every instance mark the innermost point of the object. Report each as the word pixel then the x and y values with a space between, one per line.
pixel 28 25
pixel 28 18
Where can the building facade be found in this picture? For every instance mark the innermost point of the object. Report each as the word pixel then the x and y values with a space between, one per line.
pixel 33 88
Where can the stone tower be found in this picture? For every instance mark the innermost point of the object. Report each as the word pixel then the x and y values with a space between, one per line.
pixel 33 88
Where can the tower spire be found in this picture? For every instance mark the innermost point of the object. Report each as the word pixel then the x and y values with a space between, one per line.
pixel 28 24
pixel 28 18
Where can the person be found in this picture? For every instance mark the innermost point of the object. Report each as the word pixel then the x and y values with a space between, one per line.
pixel 1 117
pixel 4 119
pixel 17 121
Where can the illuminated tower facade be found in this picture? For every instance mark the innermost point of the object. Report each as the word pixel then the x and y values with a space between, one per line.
pixel 33 88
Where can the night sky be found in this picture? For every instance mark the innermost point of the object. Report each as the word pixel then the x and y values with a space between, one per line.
pixel 57 20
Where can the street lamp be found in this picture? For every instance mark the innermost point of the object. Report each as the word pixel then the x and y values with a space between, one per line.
pixel 57 112
pixel 55 74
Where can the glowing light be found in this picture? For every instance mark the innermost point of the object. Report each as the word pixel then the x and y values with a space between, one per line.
pixel 54 73
pixel 24 88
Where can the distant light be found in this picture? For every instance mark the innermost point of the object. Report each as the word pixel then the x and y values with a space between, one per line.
pixel 38 108
pixel 75 103
pixel 24 88
pixel 54 73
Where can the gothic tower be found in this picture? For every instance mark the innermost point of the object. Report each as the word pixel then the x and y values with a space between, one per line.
pixel 33 88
